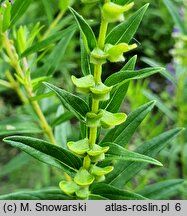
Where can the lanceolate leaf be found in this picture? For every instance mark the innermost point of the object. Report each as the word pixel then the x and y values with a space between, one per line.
pixel 86 31
pixel 123 133
pixel 47 194
pixel 130 65
pixel 111 193
pixel 86 67
pixel 162 190
pixel 118 92
pixel 62 118
pixel 18 9
pixel 6 17
pixel 117 152
pixel 123 172
pixel 164 73
pixel 54 58
pixel 50 40
pixel 18 125
pixel 47 153
pixel 71 102
pixel 151 96
pixel 52 61
pixel 14 164
pixel 125 31
pixel 176 17
pixel 125 76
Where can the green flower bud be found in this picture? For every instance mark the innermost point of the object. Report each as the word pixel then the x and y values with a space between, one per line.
pixel 86 162
pixel 109 119
pixel 83 84
pixel 83 177
pixel 100 171
pixel 98 158
pixel 83 193
pixel 68 187
pixel 100 178
pixel 93 119
pixel 115 52
pixel 101 92
pixel 97 150
pixel 113 12
pixel 98 56
pixel 80 147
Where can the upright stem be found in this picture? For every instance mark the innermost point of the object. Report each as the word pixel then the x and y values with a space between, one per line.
pixel 53 24
pixel 28 87
pixel 102 33
pixel 16 87
pixel 97 78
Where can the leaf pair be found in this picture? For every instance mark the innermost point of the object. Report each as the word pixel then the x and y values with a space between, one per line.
pixel 47 153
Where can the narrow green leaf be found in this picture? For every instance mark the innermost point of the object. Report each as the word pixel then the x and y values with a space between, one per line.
pixel 123 133
pixel 111 193
pixel 125 76
pixel 71 102
pixel 12 131
pixel 62 131
pixel 48 10
pixel 175 15
pixel 62 118
pixel 162 190
pixel 172 115
pixel 48 41
pixel 86 31
pixel 123 172
pixel 86 67
pixel 117 152
pixel 118 92
pixel 42 96
pixel 164 73
pixel 6 17
pixel 18 9
pixel 130 65
pixel 96 197
pixel 14 164
pixel 47 153
pixel 18 125
pixel 53 60
pixel 47 194
pixel 125 31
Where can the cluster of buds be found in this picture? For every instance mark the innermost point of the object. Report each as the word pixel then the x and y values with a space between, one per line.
pixel 112 53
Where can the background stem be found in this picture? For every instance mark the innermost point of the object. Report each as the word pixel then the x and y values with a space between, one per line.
pixel 14 61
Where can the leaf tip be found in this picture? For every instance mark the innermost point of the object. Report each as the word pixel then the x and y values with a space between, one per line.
pixel 146 5
pixel 159 164
pixel 47 84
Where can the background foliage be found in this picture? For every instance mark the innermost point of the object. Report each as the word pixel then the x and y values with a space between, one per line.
pixel 52 33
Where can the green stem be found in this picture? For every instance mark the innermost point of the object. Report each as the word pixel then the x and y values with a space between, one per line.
pixel 102 33
pixel 97 78
pixel 16 87
pixel 97 73
pixel 28 87
pixel 5 84
pixel 53 24
pixel 93 136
